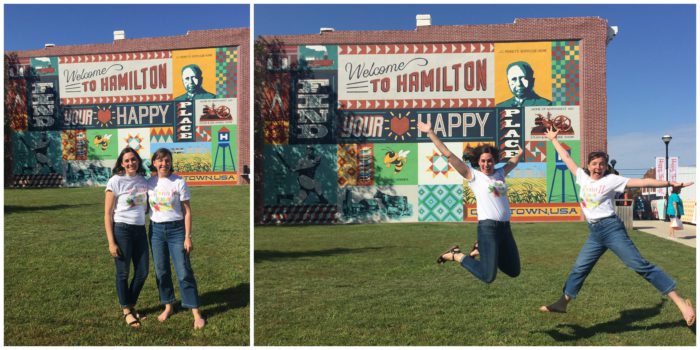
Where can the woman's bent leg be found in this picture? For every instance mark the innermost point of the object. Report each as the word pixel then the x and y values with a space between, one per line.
pixel 508 255
pixel 485 268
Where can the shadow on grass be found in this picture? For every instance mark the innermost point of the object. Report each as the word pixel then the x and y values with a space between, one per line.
pixel 212 303
pixel 221 301
pixel 11 209
pixel 262 255
pixel 622 324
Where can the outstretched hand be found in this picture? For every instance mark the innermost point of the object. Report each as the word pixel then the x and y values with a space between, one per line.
pixel 682 184
pixel 551 133
pixel 423 127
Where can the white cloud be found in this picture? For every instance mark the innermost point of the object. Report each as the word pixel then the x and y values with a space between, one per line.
pixel 635 152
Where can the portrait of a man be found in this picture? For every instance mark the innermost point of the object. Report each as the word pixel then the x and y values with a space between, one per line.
pixel 192 80
pixel 521 81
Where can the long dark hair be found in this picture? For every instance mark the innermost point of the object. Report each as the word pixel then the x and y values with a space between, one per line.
pixel 119 169
pixel 472 155
pixel 598 154
pixel 161 153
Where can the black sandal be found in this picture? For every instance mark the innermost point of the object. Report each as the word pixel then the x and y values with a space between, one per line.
pixel 474 247
pixel 454 250
pixel 136 323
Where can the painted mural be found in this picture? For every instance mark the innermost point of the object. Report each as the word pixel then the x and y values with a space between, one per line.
pixel 341 143
pixel 82 110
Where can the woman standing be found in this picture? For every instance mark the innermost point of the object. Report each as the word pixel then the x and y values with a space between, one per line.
pixel 495 239
pixel 125 220
pixel 598 189
pixel 674 210
pixel 171 236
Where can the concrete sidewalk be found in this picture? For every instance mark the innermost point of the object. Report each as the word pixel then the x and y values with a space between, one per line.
pixel 660 229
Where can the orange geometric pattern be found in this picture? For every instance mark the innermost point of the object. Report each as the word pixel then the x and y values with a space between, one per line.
pixel 394 49
pixel 424 103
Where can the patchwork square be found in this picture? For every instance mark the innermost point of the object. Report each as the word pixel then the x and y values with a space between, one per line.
pixel 227 72
pixel 440 203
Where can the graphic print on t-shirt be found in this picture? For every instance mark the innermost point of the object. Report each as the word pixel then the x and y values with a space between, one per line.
pixel 161 200
pixel 137 196
pixel 498 188
pixel 590 195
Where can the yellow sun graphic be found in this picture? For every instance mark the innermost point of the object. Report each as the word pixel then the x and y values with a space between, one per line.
pixel 104 116
pixel 398 119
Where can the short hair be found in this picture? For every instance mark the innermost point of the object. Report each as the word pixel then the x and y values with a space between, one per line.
pixel 161 153
pixel 119 169
pixel 594 155
pixel 195 68
pixel 526 67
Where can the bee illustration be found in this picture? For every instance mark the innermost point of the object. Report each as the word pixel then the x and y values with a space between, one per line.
pixel 102 141
pixel 398 160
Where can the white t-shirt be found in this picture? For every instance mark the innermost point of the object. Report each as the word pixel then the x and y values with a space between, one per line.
pixel 130 192
pixel 491 195
pixel 597 196
pixel 165 195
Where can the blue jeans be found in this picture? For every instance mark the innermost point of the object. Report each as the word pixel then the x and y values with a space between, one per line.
pixel 167 240
pixel 497 248
pixel 610 233
pixel 133 245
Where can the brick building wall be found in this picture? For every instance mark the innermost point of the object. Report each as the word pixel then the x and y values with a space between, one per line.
pixel 238 39
pixel 299 73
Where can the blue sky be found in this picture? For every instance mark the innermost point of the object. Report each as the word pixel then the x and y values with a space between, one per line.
pixel 29 27
pixel 651 70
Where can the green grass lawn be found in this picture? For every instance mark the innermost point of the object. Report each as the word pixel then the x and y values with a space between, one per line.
pixel 380 285
pixel 59 276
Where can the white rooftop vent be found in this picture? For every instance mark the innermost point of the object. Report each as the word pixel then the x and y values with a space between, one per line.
pixel 119 35
pixel 612 33
pixel 49 45
pixel 423 20
pixel 327 30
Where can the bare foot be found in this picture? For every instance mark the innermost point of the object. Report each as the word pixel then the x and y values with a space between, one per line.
pixel 199 323
pixel 559 306
pixel 165 314
pixel 688 313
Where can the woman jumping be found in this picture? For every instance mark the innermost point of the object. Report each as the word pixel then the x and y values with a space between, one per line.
pixel 495 239
pixel 598 189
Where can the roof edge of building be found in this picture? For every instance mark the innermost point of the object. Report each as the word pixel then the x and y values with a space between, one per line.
pixel 190 40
